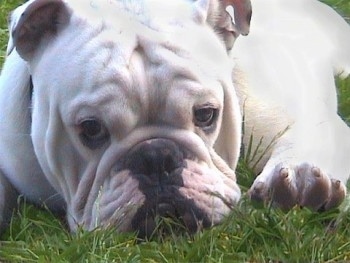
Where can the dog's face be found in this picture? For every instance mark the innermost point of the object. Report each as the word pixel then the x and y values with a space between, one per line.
pixel 133 105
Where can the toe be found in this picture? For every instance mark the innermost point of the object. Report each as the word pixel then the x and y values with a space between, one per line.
pixel 283 189
pixel 258 192
pixel 314 188
pixel 337 195
pixel 304 185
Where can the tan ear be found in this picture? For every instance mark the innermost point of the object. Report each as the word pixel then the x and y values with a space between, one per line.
pixel 34 22
pixel 229 18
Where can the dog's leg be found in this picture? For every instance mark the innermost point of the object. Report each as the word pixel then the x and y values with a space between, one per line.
pixel 8 201
pixel 289 59
pixel 309 167
pixel 301 159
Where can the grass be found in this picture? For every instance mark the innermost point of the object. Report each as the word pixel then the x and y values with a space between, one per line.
pixel 5 7
pixel 248 234
pixel 258 235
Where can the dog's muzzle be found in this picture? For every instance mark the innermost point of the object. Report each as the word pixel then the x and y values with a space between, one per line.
pixel 158 164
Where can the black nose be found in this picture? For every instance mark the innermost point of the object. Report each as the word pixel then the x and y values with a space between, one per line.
pixel 158 159
pixel 158 166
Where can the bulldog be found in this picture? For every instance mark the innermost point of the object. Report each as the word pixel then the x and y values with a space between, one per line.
pixel 121 112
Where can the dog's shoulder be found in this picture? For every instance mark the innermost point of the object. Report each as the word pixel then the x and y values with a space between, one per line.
pixel 15 92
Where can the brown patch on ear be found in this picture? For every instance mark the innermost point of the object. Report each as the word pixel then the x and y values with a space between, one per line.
pixel 41 19
pixel 228 24
pixel 242 14
pixel 230 27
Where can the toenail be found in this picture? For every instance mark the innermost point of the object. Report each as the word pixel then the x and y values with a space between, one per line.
pixel 259 186
pixel 284 172
pixel 316 171
pixel 337 184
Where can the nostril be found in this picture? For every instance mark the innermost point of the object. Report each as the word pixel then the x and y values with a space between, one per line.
pixel 170 163
pixel 155 158
pixel 158 162
pixel 149 162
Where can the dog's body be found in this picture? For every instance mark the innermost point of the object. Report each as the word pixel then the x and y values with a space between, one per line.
pixel 289 59
pixel 133 112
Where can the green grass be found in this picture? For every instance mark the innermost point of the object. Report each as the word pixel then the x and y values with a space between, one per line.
pixel 5 7
pixel 343 7
pixel 248 234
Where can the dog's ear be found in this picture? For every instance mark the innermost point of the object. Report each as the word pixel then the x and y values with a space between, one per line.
pixel 229 18
pixel 35 22
pixel 228 143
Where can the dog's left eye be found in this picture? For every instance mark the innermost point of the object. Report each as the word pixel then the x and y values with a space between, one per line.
pixel 205 117
pixel 93 133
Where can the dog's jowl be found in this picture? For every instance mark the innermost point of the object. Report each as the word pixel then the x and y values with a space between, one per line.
pixel 122 112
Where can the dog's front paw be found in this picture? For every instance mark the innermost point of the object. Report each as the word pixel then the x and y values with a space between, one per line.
pixel 304 185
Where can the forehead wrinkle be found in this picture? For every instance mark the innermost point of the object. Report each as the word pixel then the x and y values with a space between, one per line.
pixel 105 92
pixel 140 85
pixel 171 63
pixel 170 73
pixel 106 61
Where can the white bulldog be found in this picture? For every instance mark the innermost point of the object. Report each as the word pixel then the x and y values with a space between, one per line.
pixel 118 112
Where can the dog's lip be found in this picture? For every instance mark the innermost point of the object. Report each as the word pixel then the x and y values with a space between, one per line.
pixel 164 208
pixel 184 215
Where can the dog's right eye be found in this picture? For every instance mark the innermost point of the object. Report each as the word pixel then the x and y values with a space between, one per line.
pixel 93 133
pixel 205 117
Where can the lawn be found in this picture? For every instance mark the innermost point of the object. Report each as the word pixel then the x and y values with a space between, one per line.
pixel 249 234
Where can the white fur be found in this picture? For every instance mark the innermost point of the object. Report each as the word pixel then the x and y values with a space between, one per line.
pixel 283 78
pixel 289 58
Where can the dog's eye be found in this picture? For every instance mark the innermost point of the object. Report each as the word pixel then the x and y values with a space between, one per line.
pixel 205 117
pixel 93 133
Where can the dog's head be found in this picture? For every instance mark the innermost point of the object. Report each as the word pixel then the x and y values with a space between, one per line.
pixel 134 113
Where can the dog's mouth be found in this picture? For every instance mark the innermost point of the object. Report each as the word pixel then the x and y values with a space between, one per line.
pixel 170 212
pixel 159 167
